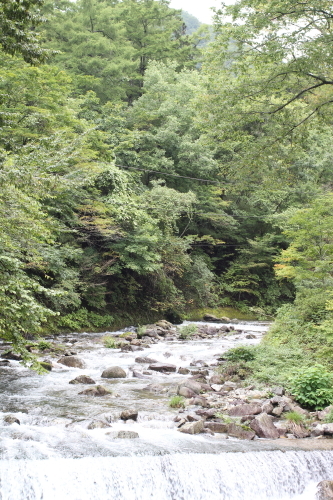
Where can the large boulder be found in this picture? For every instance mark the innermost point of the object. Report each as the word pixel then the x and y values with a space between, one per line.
pixel 129 414
pixel 240 432
pixel 325 490
pixel 212 318
pixel 192 427
pixel 263 426
pixel 242 410
pixel 162 367
pixel 82 379
pixel 218 427
pixel 114 372
pixel 193 385
pixel 323 414
pixel 98 391
pixel 72 362
pixel 186 392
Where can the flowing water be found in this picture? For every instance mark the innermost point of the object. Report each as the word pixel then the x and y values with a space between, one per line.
pixel 53 455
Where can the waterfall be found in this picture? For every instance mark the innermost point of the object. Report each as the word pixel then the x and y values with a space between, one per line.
pixel 225 476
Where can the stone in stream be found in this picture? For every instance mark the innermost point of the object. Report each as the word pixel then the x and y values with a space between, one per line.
pixel 127 435
pixel 239 432
pixel 321 415
pixel 72 362
pixel 216 379
pixel 183 371
pixel 97 391
pixel 82 379
pixel 325 490
pixel 11 419
pixel 142 360
pixel 212 318
pixel 98 424
pixel 218 427
pixel 4 362
pixel 162 367
pixel 129 414
pixel 137 374
pixel 114 372
pixel 155 389
pixel 186 392
pixel 11 355
pixel 46 365
pixel 193 385
pixel 192 427
pixel 216 387
pixel 264 427
pixel 200 401
pixel 322 430
pixel 244 409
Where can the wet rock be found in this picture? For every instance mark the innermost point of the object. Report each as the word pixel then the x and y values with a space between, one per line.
pixel 143 360
pixel 250 336
pixel 167 354
pixel 239 432
pixel 323 430
pixel 267 407
pixel 193 385
pixel 264 427
pixel 212 318
pixel 244 409
pixel 4 362
pixel 216 379
pixel 186 392
pixel 82 379
pixel 137 374
pixel 207 413
pixel 198 362
pixel 72 362
pixel 46 365
pixel 11 419
pixel 129 414
pixel 11 355
pixel 192 427
pixel 218 427
pixel 192 418
pixel 127 435
pixel 136 342
pixel 114 372
pixel 200 401
pixel 325 490
pixel 164 324
pixel 155 389
pixel 97 391
pixel 162 367
pixel 183 371
pixel 98 424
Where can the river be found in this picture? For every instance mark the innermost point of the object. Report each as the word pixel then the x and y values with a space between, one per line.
pixel 52 455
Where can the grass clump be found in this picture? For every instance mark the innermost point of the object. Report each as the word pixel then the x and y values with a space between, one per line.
pixel 110 343
pixel 187 331
pixel 294 417
pixel 177 402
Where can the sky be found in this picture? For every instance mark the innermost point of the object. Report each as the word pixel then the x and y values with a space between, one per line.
pixel 198 8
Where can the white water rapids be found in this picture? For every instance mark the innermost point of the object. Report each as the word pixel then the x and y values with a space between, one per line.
pixel 53 455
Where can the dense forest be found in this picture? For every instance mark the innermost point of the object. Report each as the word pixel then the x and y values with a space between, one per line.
pixel 149 169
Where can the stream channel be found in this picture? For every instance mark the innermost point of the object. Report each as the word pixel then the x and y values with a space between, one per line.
pixel 52 455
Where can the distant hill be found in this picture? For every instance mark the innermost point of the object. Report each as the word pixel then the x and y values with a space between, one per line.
pixel 192 22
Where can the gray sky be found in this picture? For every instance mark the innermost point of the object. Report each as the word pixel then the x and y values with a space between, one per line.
pixel 198 8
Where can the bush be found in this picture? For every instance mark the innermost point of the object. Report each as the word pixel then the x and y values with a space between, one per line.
pixel 110 343
pixel 313 387
pixel 177 402
pixel 294 417
pixel 187 331
pixel 241 353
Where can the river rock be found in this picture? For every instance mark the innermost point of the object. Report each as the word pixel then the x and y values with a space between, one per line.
pixel 82 379
pixel 212 318
pixel 99 390
pixel 164 324
pixel 129 414
pixel 264 427
pixel 193 385
pixel 72 362
pixel 218 427
pixel 267 407
pixel 114 372
pixel 46 365
pixel 162 367
pixel 216 379
pixel 183 371
pixel 278 391
pixel 200 401
pixel 4 362
pixel 239 432
pixel 11 419
pixel 192 427
pixel 127 435
pixel 186 392
pixel 138 374
pixel 323 414
pixel 155 389
pixel 323 429
pixel 277 411
pixel 244 409
pixel 11 355
pixel 216 387
pixel 325 490
pixel 98 424
pixel 143 360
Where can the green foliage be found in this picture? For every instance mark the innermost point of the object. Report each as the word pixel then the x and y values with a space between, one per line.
pixel 111 342
pixel 313 387
pixel 187 331
pixel 43 345
pixel 81 319
pixel 294 417
pixel 241 353
pixel 177 402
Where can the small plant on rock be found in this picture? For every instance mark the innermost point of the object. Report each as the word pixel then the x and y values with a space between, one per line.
pixel 110 343
pixel 329 417
pixel 241 353
pixel 313 387
pixel 187 331
pixel 294 417
pixel 177 402
pixel 140 331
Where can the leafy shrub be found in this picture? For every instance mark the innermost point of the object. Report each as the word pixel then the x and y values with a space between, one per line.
pixel 110 343
pixel 83 319
pixel 295 417
pixel 187 331
pixel 140 331
pixel 313 387
pixel 241 353
pixel 43 344
pixel 177 402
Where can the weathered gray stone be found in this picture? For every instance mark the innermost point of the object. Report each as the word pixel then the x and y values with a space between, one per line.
pixel 143 360
pixel 218 427
pixel 46 365
pixel 216 379
pixel 186 392
pixel 192 427
pixel 82 379
pixel 239 432
pixel 277 411
pixel 267 407
pixel 127 435
pixel 264 427
pixel 323 414
pixel 129 414
pixel 98 424
pixel 200 401
pixel 217 387
pixel 72 361
pixel 246 409
pixel 162 367
pixel 325 490
pixel 99 390
pixel 193 385
pixel 114 372
pixel 278 391
pixel 10 419
pixel 212 318
pixel 183 371
pixel 138 374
